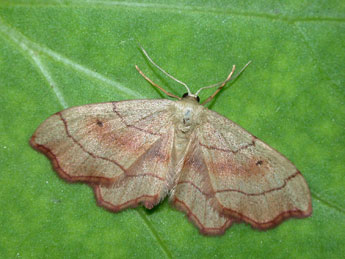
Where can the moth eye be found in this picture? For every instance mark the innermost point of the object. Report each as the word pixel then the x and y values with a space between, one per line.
pixel 196 98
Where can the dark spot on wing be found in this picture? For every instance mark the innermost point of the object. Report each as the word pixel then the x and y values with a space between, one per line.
pixel 99 123
pixel 260 162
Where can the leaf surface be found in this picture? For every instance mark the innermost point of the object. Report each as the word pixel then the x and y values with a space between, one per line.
pixel 57 54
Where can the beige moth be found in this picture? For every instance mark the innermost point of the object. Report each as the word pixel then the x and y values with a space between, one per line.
pixel 137 152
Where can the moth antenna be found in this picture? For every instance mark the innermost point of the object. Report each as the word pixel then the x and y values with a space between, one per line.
pixel 154 84
pixel 239 73
pixel 219 83
pixel 222 84
pixel 166 73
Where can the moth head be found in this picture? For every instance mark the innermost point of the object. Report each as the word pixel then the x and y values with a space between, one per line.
pixel 191 96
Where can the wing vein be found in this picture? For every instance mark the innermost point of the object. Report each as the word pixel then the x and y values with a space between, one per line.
pixel 84 149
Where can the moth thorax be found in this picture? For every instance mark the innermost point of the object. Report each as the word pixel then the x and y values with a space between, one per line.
pixel 186 120
pixel 187 116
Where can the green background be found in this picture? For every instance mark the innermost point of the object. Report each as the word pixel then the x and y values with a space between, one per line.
pixel 57 54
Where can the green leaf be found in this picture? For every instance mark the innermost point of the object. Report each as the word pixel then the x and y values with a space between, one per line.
pixel 57 54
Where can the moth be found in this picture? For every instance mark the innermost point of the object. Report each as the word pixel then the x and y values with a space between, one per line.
pixel 137 152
